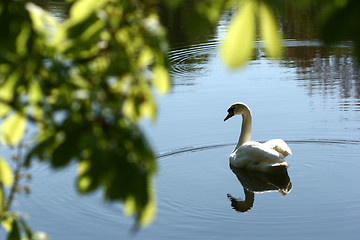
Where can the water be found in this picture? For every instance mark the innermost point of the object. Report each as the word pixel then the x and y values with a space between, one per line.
pixel 311 99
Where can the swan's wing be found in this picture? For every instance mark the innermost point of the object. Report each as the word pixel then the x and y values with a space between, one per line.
pixel 254 155
pixel 279 145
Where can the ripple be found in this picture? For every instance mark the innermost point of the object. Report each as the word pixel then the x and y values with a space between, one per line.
pixel 349 105
pixel 314 43
pixel 192 186
pixel 191 60
pixel 190 149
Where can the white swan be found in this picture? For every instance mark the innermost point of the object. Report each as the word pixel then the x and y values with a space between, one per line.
pixel 264 157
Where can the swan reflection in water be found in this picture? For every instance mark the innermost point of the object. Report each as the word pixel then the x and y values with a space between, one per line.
pixel 258 182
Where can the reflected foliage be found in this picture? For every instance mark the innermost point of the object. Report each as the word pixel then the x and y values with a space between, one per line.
pixel 340 20
pixel 177 23
pixel 259 182
pixel 330 70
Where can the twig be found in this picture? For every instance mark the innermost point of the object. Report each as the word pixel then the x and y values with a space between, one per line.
pixel 14 186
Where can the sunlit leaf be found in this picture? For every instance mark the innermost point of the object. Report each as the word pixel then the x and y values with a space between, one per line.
pixel 130 110
pixel 129 206
pixel 7 92
pixel 35 93
pixel 145 58
pixel 6 174
pixel 43 22
pixel 13 128
pixel 148 214
pixel 148 107
pixel 238 44
pixel 7 223
pixel 269 31
pixel 83 8
pixel 161 79
pixel 83 167
pixel 83 182
pixel 140 103
pixel 22 39
pixel 80 33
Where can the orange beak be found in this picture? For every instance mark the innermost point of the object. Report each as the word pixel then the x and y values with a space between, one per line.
pixel 230 114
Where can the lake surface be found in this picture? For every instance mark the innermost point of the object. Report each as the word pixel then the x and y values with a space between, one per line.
pixel 311 99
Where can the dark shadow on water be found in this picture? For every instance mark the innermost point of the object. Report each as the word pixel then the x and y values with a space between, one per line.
pixel 258 182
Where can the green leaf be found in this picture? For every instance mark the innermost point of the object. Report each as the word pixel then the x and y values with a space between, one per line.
pixel 146 57
pixel 35 93
pixel 83 181
pixel 161 79
pixel 4 109
pixel 41 19
pixel 22 39
pixel 27 229
pixel 64 152
pixel 83 8
pixel 6 174
pixel 7 223
pixel 15 232
pixel 80 33
pixel 149 211
pixel 269 32
pixel 239 40
pixel 13 129
pixel 2 201
pixel 7 92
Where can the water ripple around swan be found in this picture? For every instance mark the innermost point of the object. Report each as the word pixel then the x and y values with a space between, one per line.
pixel 192 186
pixel 193 183
pixel 202 148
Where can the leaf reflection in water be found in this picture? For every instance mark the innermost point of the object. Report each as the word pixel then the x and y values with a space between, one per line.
pixel 258 182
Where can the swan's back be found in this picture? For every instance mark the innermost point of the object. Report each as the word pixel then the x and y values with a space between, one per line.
pixel 257 157
pixel 279 145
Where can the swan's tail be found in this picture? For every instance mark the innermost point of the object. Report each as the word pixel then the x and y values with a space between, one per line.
pixel 281 164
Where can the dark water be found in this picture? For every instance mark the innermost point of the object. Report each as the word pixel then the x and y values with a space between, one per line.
pixel 311 99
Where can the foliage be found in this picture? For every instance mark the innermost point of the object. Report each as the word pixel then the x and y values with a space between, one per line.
pixel 84 83
pixel 239 42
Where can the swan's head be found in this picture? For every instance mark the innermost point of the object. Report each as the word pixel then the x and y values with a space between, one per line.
pixel 236 109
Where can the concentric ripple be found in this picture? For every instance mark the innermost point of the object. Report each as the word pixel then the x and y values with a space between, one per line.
pixel 192 60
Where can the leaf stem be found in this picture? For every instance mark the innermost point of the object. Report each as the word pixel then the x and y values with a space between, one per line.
pixel 15 184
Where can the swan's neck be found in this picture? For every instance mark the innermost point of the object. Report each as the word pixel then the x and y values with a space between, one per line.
pixel 245 134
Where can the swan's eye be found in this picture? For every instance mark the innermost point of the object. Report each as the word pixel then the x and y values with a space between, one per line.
pixel 231 110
